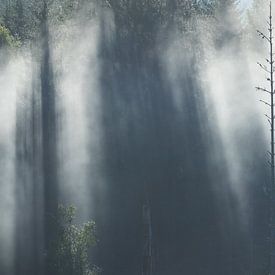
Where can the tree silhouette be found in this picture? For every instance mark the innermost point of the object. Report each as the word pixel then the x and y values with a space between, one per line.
pixel 269 69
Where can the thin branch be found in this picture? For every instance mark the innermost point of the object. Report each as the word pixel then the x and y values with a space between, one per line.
pixel 268 116
pixel 266 103
pixel 263 67
pixel 262 89
pixel 263 36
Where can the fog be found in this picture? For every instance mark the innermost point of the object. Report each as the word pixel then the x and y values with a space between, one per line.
pixel 112 108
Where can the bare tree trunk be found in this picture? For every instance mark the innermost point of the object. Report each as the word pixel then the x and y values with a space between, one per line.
pixel 270 70
pixel 272 225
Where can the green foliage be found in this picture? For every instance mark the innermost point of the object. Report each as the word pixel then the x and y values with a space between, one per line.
pixel 141 19
pixel 145 19
pixel 25 18
pixel 6 38
pixel 62 10
pixel 69 250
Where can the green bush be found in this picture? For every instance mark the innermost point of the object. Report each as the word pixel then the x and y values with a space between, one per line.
pixel 69 253
pixel 6 38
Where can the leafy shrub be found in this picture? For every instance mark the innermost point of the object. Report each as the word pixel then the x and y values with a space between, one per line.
pixel 6 38
pixel 70 247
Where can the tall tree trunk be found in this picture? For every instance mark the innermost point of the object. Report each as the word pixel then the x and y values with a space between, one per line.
pixel 270 70
pixel 48 143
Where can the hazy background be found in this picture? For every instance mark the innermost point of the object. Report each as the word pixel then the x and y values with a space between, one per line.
pixel 112 105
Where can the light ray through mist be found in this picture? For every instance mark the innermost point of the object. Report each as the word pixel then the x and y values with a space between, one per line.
pixel 135 104
pixel 78 97
pixel 227 75
pixel 14 79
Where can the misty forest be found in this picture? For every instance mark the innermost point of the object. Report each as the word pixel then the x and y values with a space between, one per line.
pixel 137 137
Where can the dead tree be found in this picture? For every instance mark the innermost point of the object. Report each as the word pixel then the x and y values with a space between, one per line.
pixel 269 69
